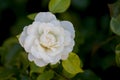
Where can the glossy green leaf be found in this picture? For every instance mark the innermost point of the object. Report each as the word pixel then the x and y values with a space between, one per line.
pixel 59 6
pixel 68 75
pixel 35 69
pixel 48 75
pixel 117 51
pixel 72 64
pixel 32 16
pixel 115 25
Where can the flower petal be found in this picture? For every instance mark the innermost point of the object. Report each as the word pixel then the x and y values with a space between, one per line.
pixel 33 28
pixel 44 17
pixel 67 50
pixel 68 26
pixel 38 52
pixel 28 42
pixel 31 57
pixel 63 57
pixel 38 62
pixel 67 38
pixel 56 23
pixel 23 36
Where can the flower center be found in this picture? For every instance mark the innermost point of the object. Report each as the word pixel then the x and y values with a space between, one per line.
pixel 47 40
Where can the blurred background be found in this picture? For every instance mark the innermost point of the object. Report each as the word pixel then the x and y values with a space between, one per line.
pixel 95 43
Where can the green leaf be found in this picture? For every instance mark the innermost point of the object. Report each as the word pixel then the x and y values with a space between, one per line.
pixel 12 78
pixel 72 64
pixel 24 60
pixel 117 52
pixel 18 36
pixel 5 73
pixel 115 25
pixel 48 75
pixel 32 16
pixel 87 75
pixel 68 75
pixel 59 6
pixel 115 8
pixel 35 69
pixel 11 52
pixel 54 65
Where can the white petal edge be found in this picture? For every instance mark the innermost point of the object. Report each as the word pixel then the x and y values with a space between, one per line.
pixel 38 62
pixel 56 59
pixel 64 57
pixel 23 36
pixel 67 38
pixel 68 26
pixel 28 42
pixel 31 57
pixel 33 28
pixel 45 17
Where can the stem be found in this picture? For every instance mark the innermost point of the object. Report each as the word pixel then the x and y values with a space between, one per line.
pixel 97 46
pixel 61 75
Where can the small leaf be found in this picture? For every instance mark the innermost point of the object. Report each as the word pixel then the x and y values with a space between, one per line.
pixel 32 16
pixel 59 6
pixel 35 69
pixel 48 75
pixel 117 52
pixel 115 25
pixel 72 64
pixel 18 36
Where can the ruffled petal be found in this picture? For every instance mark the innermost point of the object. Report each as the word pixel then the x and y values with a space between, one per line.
pixel 56 59
pixel 68 26
pixel 67 50
pixel 63 57
pixel 40 62
pixel 31 57
pixel 44 17
pixel 23 36
pixel 28 42
pixel 67 38
pixel 39 52
pixel 33 28
pixel 56 23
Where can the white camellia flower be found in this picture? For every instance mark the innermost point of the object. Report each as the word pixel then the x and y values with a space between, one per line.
pixel 47 40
